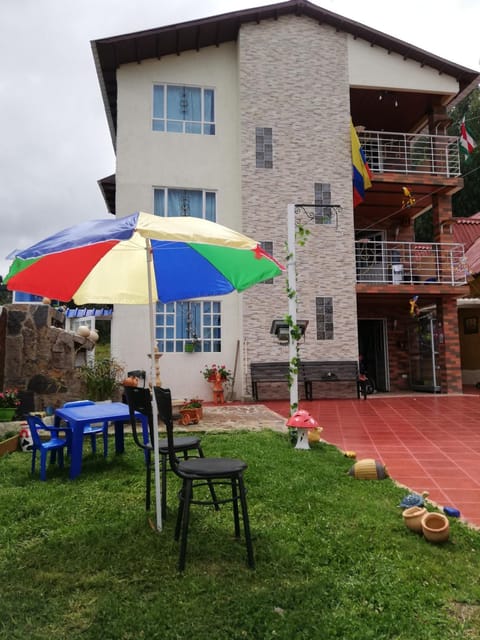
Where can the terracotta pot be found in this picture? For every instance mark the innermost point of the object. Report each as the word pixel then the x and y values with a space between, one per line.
pixel 189 416
pixel 435 527
pixel 413 517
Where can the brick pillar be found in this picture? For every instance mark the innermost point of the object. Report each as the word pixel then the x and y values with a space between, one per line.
pixel 449 346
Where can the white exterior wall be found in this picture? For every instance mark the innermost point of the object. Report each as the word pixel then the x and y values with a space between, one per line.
pixel 147 159
pixel 372 67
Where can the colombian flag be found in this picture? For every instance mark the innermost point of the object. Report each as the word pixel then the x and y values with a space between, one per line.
pixel 360 169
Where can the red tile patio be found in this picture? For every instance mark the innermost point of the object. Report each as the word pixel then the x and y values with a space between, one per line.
pixel 428 442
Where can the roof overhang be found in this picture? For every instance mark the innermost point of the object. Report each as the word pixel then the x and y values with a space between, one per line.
pixel 110 53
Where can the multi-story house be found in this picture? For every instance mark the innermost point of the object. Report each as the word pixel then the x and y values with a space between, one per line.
pixel 233 118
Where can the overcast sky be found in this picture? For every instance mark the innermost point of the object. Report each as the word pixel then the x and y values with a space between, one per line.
pixel 55 142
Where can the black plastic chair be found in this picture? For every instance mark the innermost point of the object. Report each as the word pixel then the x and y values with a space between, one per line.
pixel 140 399
pixel 200 472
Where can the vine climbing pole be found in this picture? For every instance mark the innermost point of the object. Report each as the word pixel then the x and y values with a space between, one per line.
pixel 297 233
pixel 292 308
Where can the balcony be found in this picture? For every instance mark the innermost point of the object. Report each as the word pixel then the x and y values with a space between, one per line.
pixel 388 152
pixel 410 263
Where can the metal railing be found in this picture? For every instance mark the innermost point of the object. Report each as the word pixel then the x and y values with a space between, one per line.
pixel 388 152
pixel 410 263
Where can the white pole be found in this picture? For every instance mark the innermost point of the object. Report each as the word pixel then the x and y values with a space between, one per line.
pixel 153 344
pixel 292 301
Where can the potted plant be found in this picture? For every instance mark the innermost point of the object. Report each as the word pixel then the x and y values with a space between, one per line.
pixel 102 379
pixel 9 402
pixel 191 411
pixel 193 345
pixel 210 372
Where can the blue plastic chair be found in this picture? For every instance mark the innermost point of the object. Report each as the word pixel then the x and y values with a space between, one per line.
pixel 93 430
pixel 55 445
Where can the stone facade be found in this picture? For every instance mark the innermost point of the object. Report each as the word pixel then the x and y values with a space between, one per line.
pixel 306 111
pixel 38 356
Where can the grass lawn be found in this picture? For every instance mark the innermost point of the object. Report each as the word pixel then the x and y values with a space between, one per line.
pixel 78 559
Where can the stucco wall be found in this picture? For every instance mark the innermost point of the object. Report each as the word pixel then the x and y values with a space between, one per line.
pixel 147 159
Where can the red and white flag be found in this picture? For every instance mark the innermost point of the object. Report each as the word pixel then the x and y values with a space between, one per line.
pixel 467 143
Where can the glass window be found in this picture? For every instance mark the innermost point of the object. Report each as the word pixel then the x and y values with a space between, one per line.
pixel 185 202
pixel 197 321
pixel 323 196
pixel 324 313
pixel 263 148
pixel 182 109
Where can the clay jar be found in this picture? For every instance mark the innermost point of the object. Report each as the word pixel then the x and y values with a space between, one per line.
pixel 435 527
pixel 413 517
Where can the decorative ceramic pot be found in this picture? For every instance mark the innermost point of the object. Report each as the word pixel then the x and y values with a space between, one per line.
pixel 83 331
pixel 7 414
pixel 413 517
pixel 435 527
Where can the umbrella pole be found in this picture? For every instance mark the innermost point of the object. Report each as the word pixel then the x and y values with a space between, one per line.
pixel 153 344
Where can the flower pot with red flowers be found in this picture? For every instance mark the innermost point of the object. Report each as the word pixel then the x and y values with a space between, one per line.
pixel 219 376
pixel 9 402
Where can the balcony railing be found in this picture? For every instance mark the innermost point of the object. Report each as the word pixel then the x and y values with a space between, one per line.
pixel 388 152
pixel 410 263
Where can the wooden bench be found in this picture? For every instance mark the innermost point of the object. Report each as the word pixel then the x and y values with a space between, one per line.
pixel 308 373
pixel 268 372
pixel 330 371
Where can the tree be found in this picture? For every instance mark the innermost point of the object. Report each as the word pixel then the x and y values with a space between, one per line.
pixel 467 202
pixel 5 294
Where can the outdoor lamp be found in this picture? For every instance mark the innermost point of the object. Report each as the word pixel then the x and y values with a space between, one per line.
pixel 281 329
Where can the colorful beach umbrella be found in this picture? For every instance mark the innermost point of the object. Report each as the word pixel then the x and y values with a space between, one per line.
pixel 111 261
pixel 139 259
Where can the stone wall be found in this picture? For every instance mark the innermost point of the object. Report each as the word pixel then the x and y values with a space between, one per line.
pixel 38 356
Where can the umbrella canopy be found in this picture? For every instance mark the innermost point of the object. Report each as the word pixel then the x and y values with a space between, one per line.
pixel 139 259
pixel 105 261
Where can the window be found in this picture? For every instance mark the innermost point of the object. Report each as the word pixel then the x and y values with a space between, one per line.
pixel 180 322
pixel 323 196
pixel 185 202
pixel 263 148
pixel 268 247
pixel 324 312
pixel 180 109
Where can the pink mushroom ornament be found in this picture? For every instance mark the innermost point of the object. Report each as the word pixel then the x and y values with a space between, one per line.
pixel 303 422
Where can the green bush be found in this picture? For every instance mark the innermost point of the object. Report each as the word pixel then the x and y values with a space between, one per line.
pixel 102 378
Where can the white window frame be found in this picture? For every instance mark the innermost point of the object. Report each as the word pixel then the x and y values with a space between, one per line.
pixel 185 211
pixel 174 328
pixel 207 127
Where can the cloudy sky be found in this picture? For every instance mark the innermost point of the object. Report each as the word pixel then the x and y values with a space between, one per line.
pixel 55 142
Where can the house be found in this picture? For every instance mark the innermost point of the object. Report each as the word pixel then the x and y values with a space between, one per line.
pixel 233 118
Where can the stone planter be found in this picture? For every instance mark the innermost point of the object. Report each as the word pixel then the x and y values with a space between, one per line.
pixel 8 446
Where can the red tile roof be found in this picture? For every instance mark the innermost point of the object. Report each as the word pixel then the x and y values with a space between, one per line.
pixel 467 231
